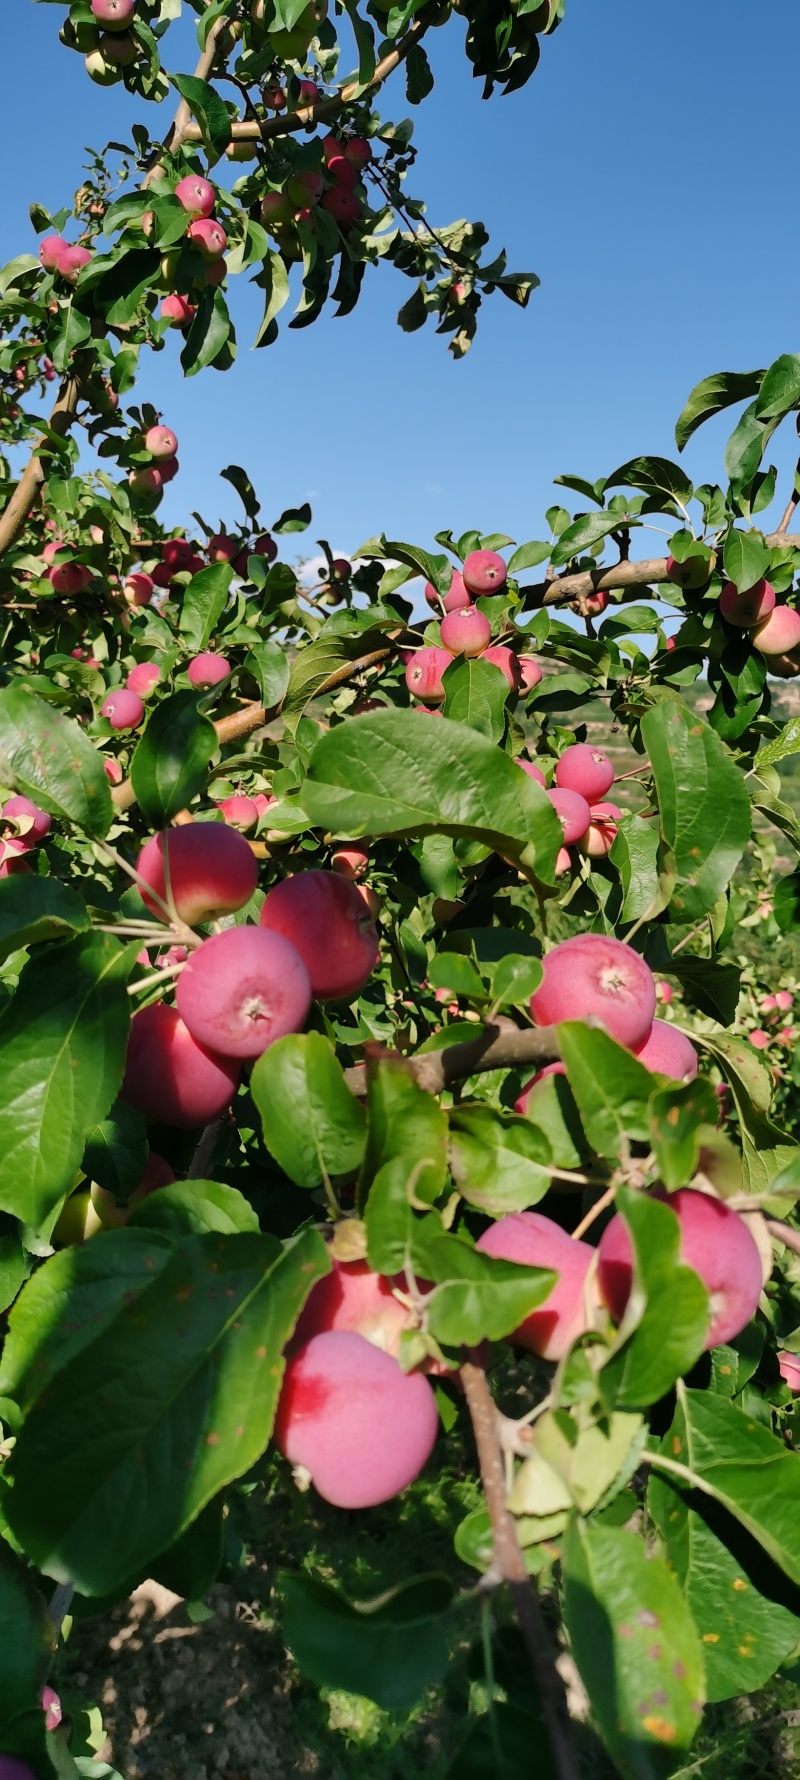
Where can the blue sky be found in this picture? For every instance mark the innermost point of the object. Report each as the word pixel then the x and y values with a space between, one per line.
pixel 645 173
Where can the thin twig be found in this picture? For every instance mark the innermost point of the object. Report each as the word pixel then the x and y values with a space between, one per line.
pixel 784 1233
pixel 509 1567
pixel 606 1198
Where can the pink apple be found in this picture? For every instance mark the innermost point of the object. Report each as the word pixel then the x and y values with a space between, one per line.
pixel 663 993
pixel 350 862
pixel 530 672
pixel 222 548
pixel 34 823
pixel 160 441
pixel 70 577
pixel 601 835
pixel 506 661
pixel 359 1426
pixel 784 1000
pixel 241 812
pixel 50 251
pixel 168 468
pixel 143 678
pixel 521 1105
pixel 112 770
pixel 177 310
pixel 594 976
pixel 208 669
pixel 789 1368
pixel 123 709
pixel 177 553
pixel 465 632
pixel 211 871
pixel 424 671
pixel 536 1241
pixel 779 633
pixel 355 1299
pixel 138 590
pixel 692 573
pixel 325 918
pixel 114 15
pixel 196 195
pixel 584 769
pixel 208 237
pixel 533 771
pixel 747 609
pixel 145 481
pixel 72 261
pixel 666 1051
pixel 242 990
pixel 171 1079
pixel 573 813
pixel 485 572
pixel 759 1039
pixel 714 1241
pixel 344 205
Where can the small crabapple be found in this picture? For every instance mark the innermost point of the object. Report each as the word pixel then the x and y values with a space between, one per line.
pixel 196 195
pixel 160 441
pixel 143 678
pixel 171 1079
pixel 424 671
pixel 747 609
pixel 714 1241
pixel 533 771
pixel 503 658
pixel 573 813
pixel 666 1051
pixel 241 812
pixel 779 633
pixel 602 833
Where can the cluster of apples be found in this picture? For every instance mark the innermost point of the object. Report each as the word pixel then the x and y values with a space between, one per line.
pixel 333 185
pixel 593 976
pixel 773 1008
pixel 105 39
pixel 583 775
pixel 246 986
pixel 22 826
pixel 67 258
pixel 465 630
pixel 204 232
pixel 162 445
pixel 773 629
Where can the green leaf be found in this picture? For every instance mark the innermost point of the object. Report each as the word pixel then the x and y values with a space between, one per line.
pixel 788 742
pixel 584 533
pixel 294 519
pixel 62 1051
pixel 170 764
pixel 636 1647
pixel 709 985
pixel 498 1161
pixel 477 1297
pixel 195 1208
pixel 269 665
pixel 703 804
pixel 405 1122
pixel 780 390
pixel 498 1746
pixel 736 1597
pixel 515 980
pixel 35 909
pixel 664 1328
pixel 312 1124
pixel 419 77
pixel 746 447
pixel 766 1150
pixel 395 772
pixel 203 604
pixel 146 1426
pixel 588 1462
pixel 657 476
pixel 631 621
pixel 645 890
pixel 27 1642
pixel 610 1086
pixel 313 666
pixel 712 395
pixel 240 480
pixel 677 1116
pixel 528 556
pixel 390 1650
pixel 48 758
pixel 116 1151
pixel 210 331
pixel 746 559
pixel 712 1446
pixel 13 1262
pixel 209 112
pixel 453 970
pixel 476 693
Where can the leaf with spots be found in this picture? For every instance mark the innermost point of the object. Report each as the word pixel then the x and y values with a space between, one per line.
pixel 636 1647
pixel 703 804
pixel 162 1408
pixel 745 1610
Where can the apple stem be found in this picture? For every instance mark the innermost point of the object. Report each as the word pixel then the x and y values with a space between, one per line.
pixel 509 1567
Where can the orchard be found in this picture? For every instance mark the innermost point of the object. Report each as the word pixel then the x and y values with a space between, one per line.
pixel 395 1081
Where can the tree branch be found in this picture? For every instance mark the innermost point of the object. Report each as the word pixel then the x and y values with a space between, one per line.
pixel 509 1566
pixel 495 1047
pixel 649 572
pixel 328 109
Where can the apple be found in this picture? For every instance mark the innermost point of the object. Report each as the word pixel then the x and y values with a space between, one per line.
pixel 695 572
pixel 349 1417
pixel 593 975
pixel 355 1299
pixel 177 310
pixel 160 441
pixel 424 670
pixel 241 812
pixel 208 237
pixel 222 548
pixel 536 1241
pixel 747 609
pixel 208 669
pixel 522 1103
pixel 123 709
pixel 714 1241
pixel 34 823
pixel 533 771
pixel 326 919
pixel 759 1039
pixel 586 770
pixel 664 993
pixel 573 813
pixel 112 770
pixel 70 577
pixel 212 871
pixel 784 1000
pixel 171 1079
pixel 138 590
pixel 143 678
pixel 243 989
pixel 485 572
pixel 465 632
pixel 602 832
pixel 196 195
pixel 350 862
pixel 668 1052
pixel 529 671
pixel 779 633
pixel 789 1368
pixel 50 251
pixel 112 1215
pixel 508 663
pixel 145 481
pixel 114 15
pixel 72 261
pixel 77 1221
pixel 177 553
pixel 344 205
pixel 121 50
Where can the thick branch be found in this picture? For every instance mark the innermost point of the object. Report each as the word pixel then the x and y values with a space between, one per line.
pixel 649 572
pixel 328 109
pixel 509 1566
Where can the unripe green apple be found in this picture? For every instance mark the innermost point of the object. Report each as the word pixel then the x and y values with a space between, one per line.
pixel 78 1220
pixel 103 73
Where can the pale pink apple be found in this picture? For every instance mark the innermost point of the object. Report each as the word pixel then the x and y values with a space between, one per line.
pixel 692 573
pixel 112 770
pixel 747 609
pixel 759 1039
pixel 534 1240
pixel 663 993
pixel 585 769
pixel 123 709
pixel 573 813
pixel 32 822
pixel 465 632
pixel 714 1241
pixel 789 1368
pixel 602 832
pixel 114 15
pixel 212 871
pixel 208 669
pixel 242 812
pixel 779 632
pixel 327 921
pixel 147 480
pixel 144 678
pixel 503 658
pixel 208 237
pixel 177 310
pixel 354 1298
pixel 138 590
pixel 530 672
pixel 533 771
pixel 666 1051
pixel 485 572
pixel 72 261
pixel 361 1428
pixel 160 441
pixel 50 251
pixel 784 1000
pixel 424 671
pixel 593 976
pixel 196 195
pixel 350 862
pixel 243 989
pixel 171 1079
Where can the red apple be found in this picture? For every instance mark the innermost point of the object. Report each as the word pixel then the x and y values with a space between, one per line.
pixel 211 871
pixel 325 918
pixel 584 769
pixel 485 572
pixel 242 990
pixel 171 1079
pixel 714 1241
pixel 536 1241
pixel 592 975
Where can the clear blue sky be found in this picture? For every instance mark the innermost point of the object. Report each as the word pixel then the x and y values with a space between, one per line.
pixel 646 173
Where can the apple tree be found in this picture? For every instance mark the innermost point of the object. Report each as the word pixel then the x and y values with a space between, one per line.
pixel 372 1029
